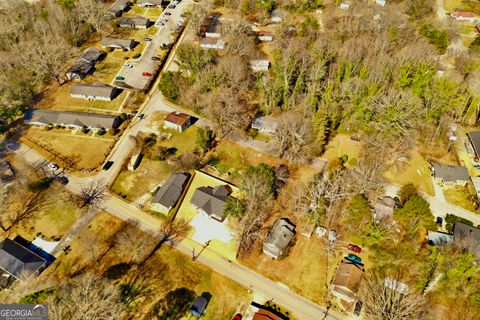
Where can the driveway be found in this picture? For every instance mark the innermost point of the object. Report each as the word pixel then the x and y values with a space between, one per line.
pixel 208 229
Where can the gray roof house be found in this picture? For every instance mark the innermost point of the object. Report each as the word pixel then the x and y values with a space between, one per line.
pixel 149 3
pixel 135 22
pixel 170 192
pixel 116 43
pixel 95 91
pixel 85 64
pixel 18 261
pixel 74 120
pixel 474 138
pixel 470 235
pixel 211 201
pixel 118 7
pixel 347 281
pixel 279 238
pixel 198 307
pixel 448 174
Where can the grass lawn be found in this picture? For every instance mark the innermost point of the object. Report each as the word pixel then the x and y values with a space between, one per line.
pixel 166 271
pixel 186 211
pixel 58 98
pixel 414 170
pixel 342 144
pixel 89 152
pixel 304 276
pixel 134 184
pixel 461 197
pixel 452 5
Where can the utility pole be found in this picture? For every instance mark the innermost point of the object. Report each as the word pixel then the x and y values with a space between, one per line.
pixel 195 257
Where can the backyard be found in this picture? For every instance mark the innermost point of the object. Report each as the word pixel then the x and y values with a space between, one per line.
pixel 341 145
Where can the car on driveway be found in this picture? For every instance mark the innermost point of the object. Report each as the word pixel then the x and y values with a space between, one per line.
pixel 168 13
pixel 172 6
pixel 358 308
pixel 146 74
pixel 353 258
pixel 156 58
pixel 238 316
pixel 160 23
pixel 147 39
pixel 354 248
pixel 53 166
pixel 119 78
pixel 107 165
pixel 439 221
pixel 62 180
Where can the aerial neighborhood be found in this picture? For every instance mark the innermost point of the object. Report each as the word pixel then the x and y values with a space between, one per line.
pixel 193 159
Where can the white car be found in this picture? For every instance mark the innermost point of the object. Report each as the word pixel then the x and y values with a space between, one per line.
pixel 128 65
pixel 52 166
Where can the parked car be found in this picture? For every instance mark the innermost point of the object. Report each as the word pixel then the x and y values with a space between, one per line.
pixel 439 221
pixel 62 180
pixel 141 115
pixel 160 23
pixel 155 58
pixel 53 166
pixel 128 65
pixel 119 78
pixel 354 248
pixel 353 258
pixel 168 13
pixel 172 6
pixel 146 74
pixel 147 39
pixel 355 138
pixel 107 165
pixel 238 316
pixel 358 308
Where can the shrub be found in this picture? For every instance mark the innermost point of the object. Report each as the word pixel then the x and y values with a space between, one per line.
pixel 85 130
pixel 38 185
pixel 101 132
pixel 436 37
pixel 450 220
pixel 112 131
pixel 169 86
pixel 136 56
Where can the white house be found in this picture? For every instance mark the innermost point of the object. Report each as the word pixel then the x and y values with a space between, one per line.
pixel 135 161
pixel 265 124
pixel 212 43
pixel 264 36
pixel 178 121
pixel 259 65
pixel 96 91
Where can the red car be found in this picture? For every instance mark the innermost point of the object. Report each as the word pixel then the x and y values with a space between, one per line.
pixel 354 248
pixel 147 74
pixel 238 316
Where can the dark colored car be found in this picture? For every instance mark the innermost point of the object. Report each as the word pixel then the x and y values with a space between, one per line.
pixel 353 258
pixel 358 308
pixel 168 13
pixel 354 248
pixel 355 138
pixel 238 316
pixel 119 78
pixel 62 180
pixel 439 221
pixel 146 74
pixel 107 165
pixel 156 58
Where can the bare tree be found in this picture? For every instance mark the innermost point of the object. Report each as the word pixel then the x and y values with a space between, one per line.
pixel 292 137
pixel 92 12
pixel 387 298
pixel 87 297
pixel 93 194
pixel 133 242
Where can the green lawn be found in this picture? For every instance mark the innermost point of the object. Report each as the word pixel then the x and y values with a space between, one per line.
pixel 340 145
pixel 461 197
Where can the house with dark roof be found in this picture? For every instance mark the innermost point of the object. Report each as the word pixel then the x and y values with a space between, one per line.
pixel 118 7
pixel 279 238
pixel 18 262
pixel 214 28
pixel 450 175
pixel 94 91
pixel 72 120
pixel 474 138
pixel 117 43
pixel 149 3
pixel 170 192
pixel 85 64
pixel 211 201
pixel 135 22
pixel 347 281
pixel 469 236
pixel 178 121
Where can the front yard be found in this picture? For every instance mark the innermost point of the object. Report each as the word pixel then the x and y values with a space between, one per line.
pixel 462 197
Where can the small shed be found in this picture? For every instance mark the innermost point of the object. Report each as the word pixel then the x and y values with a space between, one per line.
pixel 198 307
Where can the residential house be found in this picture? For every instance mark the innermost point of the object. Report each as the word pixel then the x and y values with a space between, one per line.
pixel 474 138
pixel 95 91
pixel 72 120
pixel 476 185
pixel 18 262
pixel 449 175
pixel 212 43
pixel 264 36
pixel 149 3
pixel 279 238
pixel 7 174
pixel 396 285
pixel 211 201
pixel 383 209
pixel 436 238
pixel 215 28
pixel 85 64
pixel 198 307
pixel 261 312
pixel 170 192
pixel 135 22
pixel 469 235
pixel 118 7
pixel 463 16
pixel 347 281
pixel 117 43
pixel 265 124
pixel 259 65
pixel 178 121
